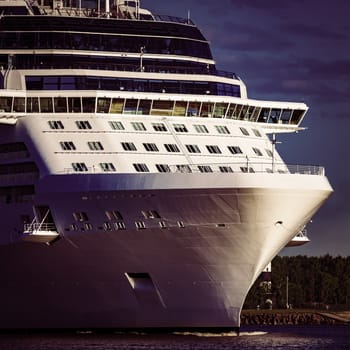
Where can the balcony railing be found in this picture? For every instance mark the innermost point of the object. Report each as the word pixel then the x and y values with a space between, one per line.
pixel 39 227
pixel 238 167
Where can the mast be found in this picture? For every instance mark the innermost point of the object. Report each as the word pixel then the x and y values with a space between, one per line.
pixel 108 9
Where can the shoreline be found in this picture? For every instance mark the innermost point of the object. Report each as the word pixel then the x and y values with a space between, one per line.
pixel 293 317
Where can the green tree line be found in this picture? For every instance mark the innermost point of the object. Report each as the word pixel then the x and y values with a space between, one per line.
pixel 313 282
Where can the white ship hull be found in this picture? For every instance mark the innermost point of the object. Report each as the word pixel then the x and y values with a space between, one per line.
pixel 196 276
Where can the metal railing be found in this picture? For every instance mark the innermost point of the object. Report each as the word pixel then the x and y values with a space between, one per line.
pixel 30 228
pixel 245 166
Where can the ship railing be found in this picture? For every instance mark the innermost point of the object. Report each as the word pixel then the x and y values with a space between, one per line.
pixel 249 167
pixel 245 166
pixel 92 12
pixel 136 68
pixel 35 227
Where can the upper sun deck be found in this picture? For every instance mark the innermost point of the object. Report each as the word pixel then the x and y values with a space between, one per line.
pixel 114 9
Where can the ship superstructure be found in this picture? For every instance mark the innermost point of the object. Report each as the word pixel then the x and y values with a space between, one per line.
pixel 140 187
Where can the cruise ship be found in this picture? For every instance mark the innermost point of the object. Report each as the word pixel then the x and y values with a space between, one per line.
pixel 140 186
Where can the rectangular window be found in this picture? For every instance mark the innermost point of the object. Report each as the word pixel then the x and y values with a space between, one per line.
pixel 55 124
pixel 225 169
pixel 150 214
pixel 116 125
pixel 79 167
pixel 144 107
pixel 19 104
pixel 107 167
pixel 256 132
pixel 163 168
pixel 213 149
pixel 119 225
pixel 193 109
pixel 103 104
pixel 220 110
pixel 129 146
pixel 130 106
pixel 88 226
pixel 151 147
pixel 234 149
pixel 60 104
pixel 32 105
pixel 244 131
pixel 113 215
pixel 245 169
pixel 117 105
pixel 159 127
pixel 95 145
pixel 46 105
pixel 180 128
pixel 257 151
pixel 74 105
pixel 140 225
pixel 83 124
pixel 180 108
pixel 184 168
pixel 80 216
pixel 221 129
pixel 141 168
pixel 67 146
pixel 193 149
pixel 88 104
pixel 107 226
pixel 269 153
pixel 201 129
pixel 5 104
pixel 171 147
pixel 162 108
pixel 138 126
pixel 205 169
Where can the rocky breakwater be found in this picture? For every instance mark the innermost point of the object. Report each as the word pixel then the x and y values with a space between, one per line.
pixel 289 317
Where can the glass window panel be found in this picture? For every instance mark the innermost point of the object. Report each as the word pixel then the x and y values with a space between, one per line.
pixel 285 116
pixel 264 115
pixel 193 109
pixel 274 115
pixel 19 104
pixel 255 114
pixel 130 106
pixel 51 83
pixel 180 108
pixel 74 105
pixel 46 105
pixel 5 104
pixel 68 83
pixel 243 113
pixel 144 107
pixel 162 108
pixel 60 104
pixel 297 116
pixel 117 105
pixel 237 112
pixel 231 111
pixel 250 112
pixel 88 104
pixel 207 109
pixel 32 105
pixel 103 104
pixel 220 110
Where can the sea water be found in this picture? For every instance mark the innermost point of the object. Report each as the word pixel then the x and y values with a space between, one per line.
pixel 277 337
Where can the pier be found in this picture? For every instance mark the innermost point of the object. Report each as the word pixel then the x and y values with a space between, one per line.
pixel 293 317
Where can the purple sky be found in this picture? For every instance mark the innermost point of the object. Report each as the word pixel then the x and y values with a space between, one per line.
pixel 297 51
